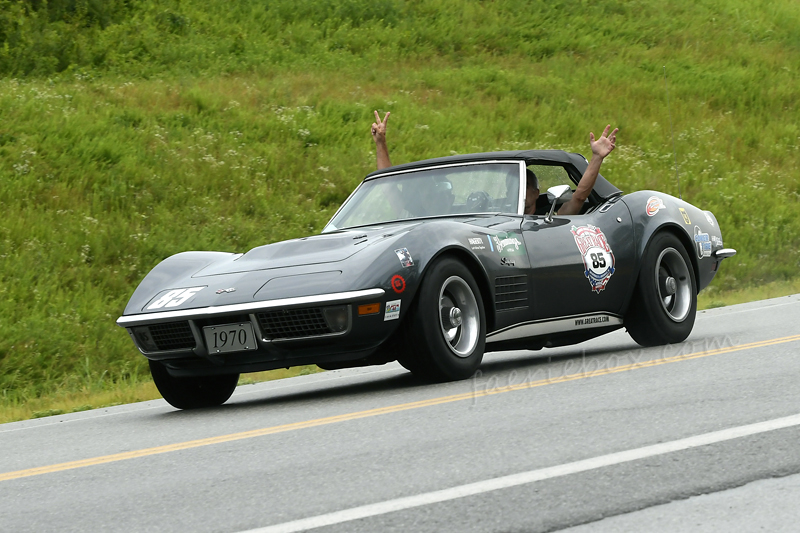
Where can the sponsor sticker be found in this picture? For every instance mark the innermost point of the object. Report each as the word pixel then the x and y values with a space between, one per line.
pixel 398 283
pixel 709 218
pixel 404 257
pixel 476 243
pixel 175 297
pixel 392 311
pixel 703 243
pixel 685 215
pixel 654 204
pixel 508 243
pixel 597 255
pixel 591 321
pixel 716 241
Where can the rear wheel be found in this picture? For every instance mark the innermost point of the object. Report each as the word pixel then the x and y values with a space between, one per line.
pixel 664 302
pixel 445 332
pixel 193 392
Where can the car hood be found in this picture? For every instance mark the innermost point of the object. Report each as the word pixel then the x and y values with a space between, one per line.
pixel 330 263
pixel 314 250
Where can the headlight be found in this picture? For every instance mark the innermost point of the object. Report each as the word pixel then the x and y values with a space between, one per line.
pixel 337 317
pixel 142 337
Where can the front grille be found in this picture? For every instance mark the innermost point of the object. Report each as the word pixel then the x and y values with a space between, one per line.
pixel 293 323
pixel 511 292
pixel 172 336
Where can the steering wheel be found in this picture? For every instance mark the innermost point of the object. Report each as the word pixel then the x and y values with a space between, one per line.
pixel 478 201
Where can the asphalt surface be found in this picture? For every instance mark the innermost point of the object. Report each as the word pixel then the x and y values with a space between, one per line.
pixel 700 436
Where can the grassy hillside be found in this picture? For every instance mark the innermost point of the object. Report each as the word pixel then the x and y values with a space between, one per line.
pixel 130 131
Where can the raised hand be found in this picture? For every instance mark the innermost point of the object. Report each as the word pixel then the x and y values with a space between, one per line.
pixel 605 144
pixel 379 127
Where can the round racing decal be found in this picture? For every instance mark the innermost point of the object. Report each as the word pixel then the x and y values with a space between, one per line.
pixel 597 255
pixel 398 283
pixel 654 204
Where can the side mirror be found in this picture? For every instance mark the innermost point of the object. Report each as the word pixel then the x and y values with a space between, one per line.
pixel 554 194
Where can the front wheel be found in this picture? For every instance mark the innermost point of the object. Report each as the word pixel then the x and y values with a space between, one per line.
pixel 446 330
pixel 664 302
pixel 193 392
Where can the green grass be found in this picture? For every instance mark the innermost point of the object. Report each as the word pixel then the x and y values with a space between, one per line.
pixel 712 298
pixel 132 131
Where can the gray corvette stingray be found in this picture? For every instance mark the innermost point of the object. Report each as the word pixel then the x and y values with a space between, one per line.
pixel 430 264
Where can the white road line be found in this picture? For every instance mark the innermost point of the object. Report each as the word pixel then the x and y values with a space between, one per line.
pixel 33 422
pixel 523 478
pixel 702 315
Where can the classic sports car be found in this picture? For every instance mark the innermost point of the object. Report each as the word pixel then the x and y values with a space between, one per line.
pixel 431 264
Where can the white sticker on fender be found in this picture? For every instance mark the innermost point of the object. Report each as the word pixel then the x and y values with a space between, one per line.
pixel 597 255
pixel 392 310
pixel 703 243
pixel 654 205
pixel 175 297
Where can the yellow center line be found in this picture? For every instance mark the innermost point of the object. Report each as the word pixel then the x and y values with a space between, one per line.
pixel 379 411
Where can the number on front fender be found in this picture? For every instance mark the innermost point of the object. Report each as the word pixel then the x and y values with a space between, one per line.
pixel 175 297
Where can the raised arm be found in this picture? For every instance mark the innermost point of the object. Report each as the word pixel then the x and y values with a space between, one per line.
pixel 379 136
pixel 600 149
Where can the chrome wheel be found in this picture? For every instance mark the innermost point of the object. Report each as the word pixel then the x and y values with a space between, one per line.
pixel 459 316
pixel 674 284
pixel 444 333
pixel 664 301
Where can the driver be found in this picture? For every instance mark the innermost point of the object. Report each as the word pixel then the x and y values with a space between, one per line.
pixel 600 149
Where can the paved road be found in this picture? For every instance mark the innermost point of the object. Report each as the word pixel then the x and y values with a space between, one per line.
pixel 537 441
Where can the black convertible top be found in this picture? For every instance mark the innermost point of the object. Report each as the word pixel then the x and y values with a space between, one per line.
pixel 602 187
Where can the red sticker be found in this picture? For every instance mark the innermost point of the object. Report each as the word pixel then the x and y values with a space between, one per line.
pixel 398 283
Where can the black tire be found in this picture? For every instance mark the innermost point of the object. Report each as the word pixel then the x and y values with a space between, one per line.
pixel 193 392
pixel 664 301
pixel 438 347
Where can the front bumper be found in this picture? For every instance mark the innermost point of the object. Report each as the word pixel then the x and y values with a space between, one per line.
pixel 289 332
pixel 237 309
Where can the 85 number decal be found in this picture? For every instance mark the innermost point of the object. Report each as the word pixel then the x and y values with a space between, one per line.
pixel 175 297
pixel 598 260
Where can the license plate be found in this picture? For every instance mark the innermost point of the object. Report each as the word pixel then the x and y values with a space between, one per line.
pixel 230 337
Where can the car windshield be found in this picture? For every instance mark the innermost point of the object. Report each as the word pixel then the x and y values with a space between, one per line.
pixel 442 191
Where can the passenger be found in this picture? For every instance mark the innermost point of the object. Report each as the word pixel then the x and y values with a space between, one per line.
pixel 600 149
pixel 379 136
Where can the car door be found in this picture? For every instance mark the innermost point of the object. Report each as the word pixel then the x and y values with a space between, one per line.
pixel 580 264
